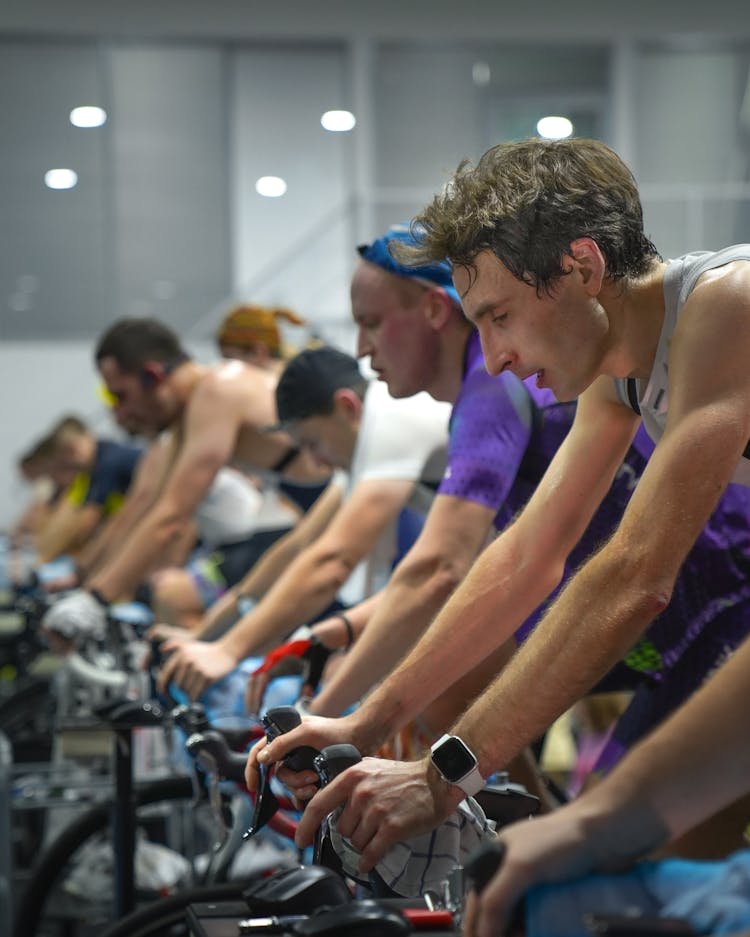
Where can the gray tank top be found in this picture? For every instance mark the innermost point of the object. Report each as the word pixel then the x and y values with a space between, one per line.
pixel 650 398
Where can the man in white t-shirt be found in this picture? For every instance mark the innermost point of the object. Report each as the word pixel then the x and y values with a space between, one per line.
pixel 394 453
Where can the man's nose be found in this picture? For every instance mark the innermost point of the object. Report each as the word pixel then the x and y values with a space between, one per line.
pixel 496 357
pixel 364 346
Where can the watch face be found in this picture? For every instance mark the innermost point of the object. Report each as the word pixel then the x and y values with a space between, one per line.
pixel 453 759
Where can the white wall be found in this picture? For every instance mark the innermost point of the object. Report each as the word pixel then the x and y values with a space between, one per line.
pixel 39 383
pixel 296 251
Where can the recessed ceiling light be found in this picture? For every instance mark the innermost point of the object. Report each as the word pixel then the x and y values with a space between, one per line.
pixel 20 302
pixel 480 73
pixel 270 186
pixel 88 116
pixel 28 283
pixel 60 178
pixel 554 128
pixel 338 121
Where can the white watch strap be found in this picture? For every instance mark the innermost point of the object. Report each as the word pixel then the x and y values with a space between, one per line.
pixel 471 783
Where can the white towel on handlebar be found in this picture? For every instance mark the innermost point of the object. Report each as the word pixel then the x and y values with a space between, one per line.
pixel 415 865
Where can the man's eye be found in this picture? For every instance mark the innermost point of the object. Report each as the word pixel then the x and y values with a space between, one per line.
pixel 500 317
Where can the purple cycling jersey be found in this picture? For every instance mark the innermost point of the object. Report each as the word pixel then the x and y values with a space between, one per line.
pixel 503 434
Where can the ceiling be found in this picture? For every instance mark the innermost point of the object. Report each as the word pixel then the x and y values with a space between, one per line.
pixel 575 20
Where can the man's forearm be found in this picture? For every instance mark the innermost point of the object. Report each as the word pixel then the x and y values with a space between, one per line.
pixel 302 592
pixel 693 765
pixel 404 612
pixel 137 556
pixel 591 626
pixel 335 634
pixel 270 567
pixel 221 614
pixel 104 545
pixel 502 589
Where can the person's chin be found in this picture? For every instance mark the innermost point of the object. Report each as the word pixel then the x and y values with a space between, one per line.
pixel 399 390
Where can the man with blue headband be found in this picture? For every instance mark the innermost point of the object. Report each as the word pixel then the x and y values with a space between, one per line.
pixel 503 434
pixel 411 326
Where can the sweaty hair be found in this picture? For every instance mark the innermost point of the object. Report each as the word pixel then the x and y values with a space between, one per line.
pixel 525 202
pixel 250 325
pixel 134 342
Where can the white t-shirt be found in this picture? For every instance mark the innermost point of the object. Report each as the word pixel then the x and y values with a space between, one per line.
pixel 234 509
pixel 397 439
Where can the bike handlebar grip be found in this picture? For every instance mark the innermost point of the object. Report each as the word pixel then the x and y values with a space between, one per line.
pixel 279 720
pixel 211 750
pixel 210 742
pixel 190 717
pixel 334 759
pixel 136 714
pixel 483 862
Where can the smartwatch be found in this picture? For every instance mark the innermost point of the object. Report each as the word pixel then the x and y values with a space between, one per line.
pixel 457 764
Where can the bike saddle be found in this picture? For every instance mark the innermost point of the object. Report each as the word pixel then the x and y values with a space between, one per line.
pixel 358 919
pixel 212 752
pixel 297 891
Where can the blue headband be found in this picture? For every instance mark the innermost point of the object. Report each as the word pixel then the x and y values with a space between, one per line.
pixel 438 274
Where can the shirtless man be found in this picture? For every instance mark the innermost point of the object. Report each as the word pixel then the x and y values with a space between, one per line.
pixel 553 267
pixel 394 453
pixel 217 415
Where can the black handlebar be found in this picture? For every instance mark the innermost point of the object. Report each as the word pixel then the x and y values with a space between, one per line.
pixel 212 752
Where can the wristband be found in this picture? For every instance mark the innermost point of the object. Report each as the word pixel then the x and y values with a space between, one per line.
pixel 349 629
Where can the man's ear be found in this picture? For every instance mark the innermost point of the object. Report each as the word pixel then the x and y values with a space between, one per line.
pixel 588 258
pixel 347 402
pixel 438 309
pixel 152 374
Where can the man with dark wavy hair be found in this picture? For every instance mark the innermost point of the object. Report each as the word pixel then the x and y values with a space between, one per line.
pixel 553 267
pixel 527 202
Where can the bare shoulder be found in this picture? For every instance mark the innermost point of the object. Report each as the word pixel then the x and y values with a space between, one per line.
pixel 229 379
pixel 228 383
pixel 711 344
pixel 232 390
pixel 720 301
